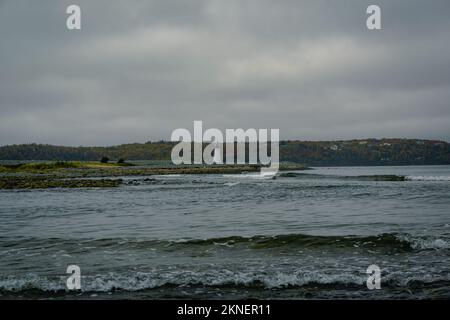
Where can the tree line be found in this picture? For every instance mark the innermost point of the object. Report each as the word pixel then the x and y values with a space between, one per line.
pixel 311 153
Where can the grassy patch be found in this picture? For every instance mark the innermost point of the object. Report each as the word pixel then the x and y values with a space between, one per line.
pixel 57 165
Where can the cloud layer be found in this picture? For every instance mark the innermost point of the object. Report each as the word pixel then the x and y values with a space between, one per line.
pixel 139 69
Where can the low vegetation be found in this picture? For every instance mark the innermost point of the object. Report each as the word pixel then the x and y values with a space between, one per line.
pixel 57 165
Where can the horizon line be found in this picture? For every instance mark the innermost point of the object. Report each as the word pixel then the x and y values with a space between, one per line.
pixel 168 141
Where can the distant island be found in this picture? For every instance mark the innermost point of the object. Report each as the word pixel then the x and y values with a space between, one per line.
pixel 367 152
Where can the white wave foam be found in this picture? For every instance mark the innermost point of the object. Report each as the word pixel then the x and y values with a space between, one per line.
pixel 30 281
pixel 142 281
pixel 427 178
pixel 249 176
pixel 421 243
pixel 230 184
pixel 430 244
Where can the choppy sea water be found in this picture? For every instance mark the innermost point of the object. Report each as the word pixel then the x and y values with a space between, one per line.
pixel 304 234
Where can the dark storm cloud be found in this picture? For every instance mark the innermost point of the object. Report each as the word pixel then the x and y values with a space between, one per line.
pixel 139 69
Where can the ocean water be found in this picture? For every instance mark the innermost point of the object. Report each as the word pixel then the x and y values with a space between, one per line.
pixel 305 234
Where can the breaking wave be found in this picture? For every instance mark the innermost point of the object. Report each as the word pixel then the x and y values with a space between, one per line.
pixel 394 241
pixel 378 177
pixel 211 277
pixel 427 178
pixel 138 281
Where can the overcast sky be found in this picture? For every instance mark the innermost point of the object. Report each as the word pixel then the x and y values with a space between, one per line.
pixel 140 69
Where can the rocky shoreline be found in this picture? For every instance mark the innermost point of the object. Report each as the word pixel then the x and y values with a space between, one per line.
pixel 78 175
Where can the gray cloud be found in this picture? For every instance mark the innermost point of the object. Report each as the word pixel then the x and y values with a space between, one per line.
pixel 139 69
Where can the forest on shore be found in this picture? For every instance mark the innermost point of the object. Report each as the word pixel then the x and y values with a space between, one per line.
pixel 310 153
